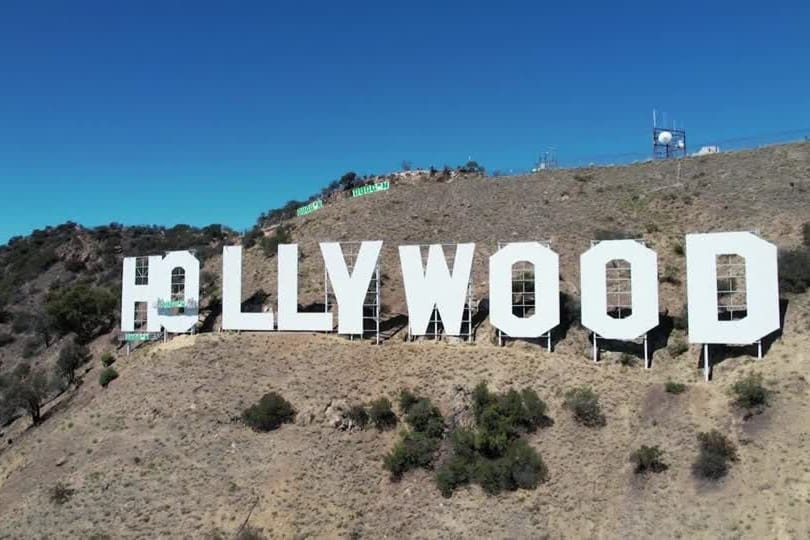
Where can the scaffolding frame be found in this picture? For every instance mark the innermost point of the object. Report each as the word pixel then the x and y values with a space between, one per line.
pixel 435 325
pixel 372 305
pixel 732 298
pixel 618 277
pixel 523 273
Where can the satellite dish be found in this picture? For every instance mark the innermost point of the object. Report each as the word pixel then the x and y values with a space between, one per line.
pixel 680 144
pixel 665 137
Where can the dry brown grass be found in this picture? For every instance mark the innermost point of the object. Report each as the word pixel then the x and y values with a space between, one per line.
pixel 158 453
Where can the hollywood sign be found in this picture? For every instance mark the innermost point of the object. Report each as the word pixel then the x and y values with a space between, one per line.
pixel 436 286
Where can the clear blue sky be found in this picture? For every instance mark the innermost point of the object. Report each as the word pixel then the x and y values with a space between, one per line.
pixel 195 112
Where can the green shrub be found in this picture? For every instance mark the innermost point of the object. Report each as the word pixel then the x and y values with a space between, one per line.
pixel 423 416
pixel 794 270
pixel 678 249
pixel 381 415
pixel 106 376
pixel 269 413
pixel 406 399
pixel 358 415
pixel 107 359
pixel 674 387
pixel 415 450
pixel 269 244
pixel 716 450
pixel 749 392
pixel 584 404
pixel 493 455
pixel 22 322
pixel 710 466
pixel 648 459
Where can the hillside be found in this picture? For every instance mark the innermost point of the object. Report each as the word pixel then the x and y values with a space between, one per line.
pixel 161 453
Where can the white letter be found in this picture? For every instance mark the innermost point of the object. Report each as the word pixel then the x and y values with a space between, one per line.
pixel 145 291
pixel 761 288
pixel 288 316
pixel 436 287
pixel 643 288
pixel 232 316
pixel 189 266
pixel 546 290
pixel 158 286
pixel 350 291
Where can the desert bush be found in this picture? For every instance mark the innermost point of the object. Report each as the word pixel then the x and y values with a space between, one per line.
pixel 627 360
pixel 22 322
pixel 749 392
pixel 406 399
pixel 31 347
pixel 107 359
pixel 358 415
pixel 648 459
pixel 424 417
pixel 269 413
pixel 60 493
pixel 670 275
pixel 678 249
pixel 493 455
pixel 584 404
pixel 806 234
pixel 269 244
pixel 107 375
pixel 71 358
pixel 794 270
pixel 6 339
pixel 677 347
pixel 674 387
pixel 415 450
pixel 716 451
pixel 613 234
pixel 381 415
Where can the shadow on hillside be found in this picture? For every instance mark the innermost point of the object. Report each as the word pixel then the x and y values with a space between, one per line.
pixel 569 317
pixel 719 353
pixel 657 339
pixel 392 326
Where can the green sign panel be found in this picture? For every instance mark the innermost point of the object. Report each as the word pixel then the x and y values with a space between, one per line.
pixel 371 188
pixel 164 304
pixel 308 209
pixel 137 336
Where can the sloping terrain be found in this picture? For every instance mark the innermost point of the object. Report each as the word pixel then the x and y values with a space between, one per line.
pixel 161 453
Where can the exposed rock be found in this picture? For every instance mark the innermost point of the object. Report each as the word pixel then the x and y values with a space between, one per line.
pixel 336 414
pixel 305 417
pixel 461 412
pixel 61 461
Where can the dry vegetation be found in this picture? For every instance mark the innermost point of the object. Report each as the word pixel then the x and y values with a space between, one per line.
pixel 162 450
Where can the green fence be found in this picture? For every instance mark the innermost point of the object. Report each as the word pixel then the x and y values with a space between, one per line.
pixel 308 209
pixel 371 188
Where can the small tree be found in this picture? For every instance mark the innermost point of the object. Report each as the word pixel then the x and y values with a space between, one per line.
pixel 83 310
pixel 28 393
pixel 71 358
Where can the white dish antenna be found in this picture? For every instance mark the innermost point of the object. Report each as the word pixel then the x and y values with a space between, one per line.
pixel 665 137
